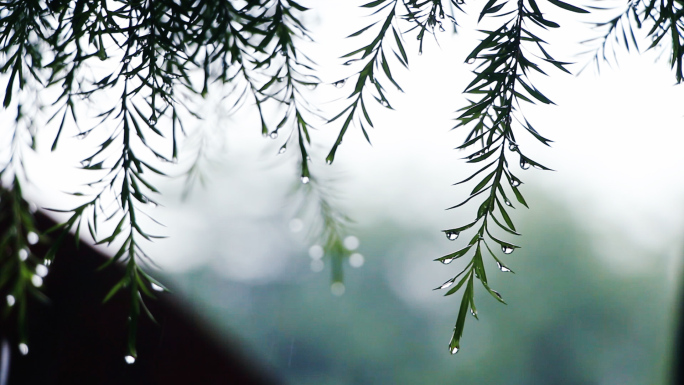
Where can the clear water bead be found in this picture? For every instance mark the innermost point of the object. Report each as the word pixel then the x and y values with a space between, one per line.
pixel 447 261
pixel 356 260
pixel 506 249
pixel 274 135
pixel 23 349
pixel 41 270
pixel 23 254
pixel 446 284
pixel 282 150
pixel 452 235
pixel 32 238
pixel 339 83
pixel 351 242
pixel 37 281
pixel 524 165
pixel 129 359
pixel 453 350
pixel 11 300
pixel 305 179
pixel 156 287
pixel 502 267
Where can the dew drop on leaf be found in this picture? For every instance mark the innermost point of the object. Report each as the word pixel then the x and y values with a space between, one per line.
pixel 473 312
pixel 446 284
pixel 506 249
pixel 502 267
pixel 274 135
pixel 156 287
pixel 515 182
pixel 453 350
pixel 32 238
pixel 23 349
pixel 349 62
pixel 339 83
pixel 497 294
pixel 508 203
pixel 471 60
pixel 356 260
pixel 452 235
pixel 11 300
pixel 41 270
pixel 524 165
pixel 305 179
pixel 23 254
pixel 384 103
pixel 37 281
pixel 311 86
pixel 129 359
pixel 447 261
pixel 513 147
pixel 282 150
pixel 328 161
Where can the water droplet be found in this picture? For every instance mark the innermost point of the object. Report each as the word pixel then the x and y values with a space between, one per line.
pixel 513 147
pixel 11 300
pixel 420 52
pixel 317 265
pixel 515 182
pixel 340 83
pixel 279 80
pixel 316 252
pixel 282 150
pixel 356 260
pixel 349 62
pixel 451 235
pixel 497 294
pixel 453 350
pixel 32 207
pixel 470 60
pixel 23 349
pixel 23 254
pixel 441 14
pixel 311 86
pixel 308 158
pixel 37 281
pixel 502 267
pixel 508 203
pixel 328 161
pixel 506 249
pixel 446 284
pixel 153 120
pixel 538 167
pixel 337 289
pixel 41 270
pixel 523 164
pixel 473 312
pixel 156 287
pixel 296 225
pixel 384 103
pixel 441 28
pixel 274 135
pixel 447 261
pixel 82 135
pixel 351 242
pixel 47 262
pixel 32 238
pixel 305 179
pixel 129 359
pixel 85 163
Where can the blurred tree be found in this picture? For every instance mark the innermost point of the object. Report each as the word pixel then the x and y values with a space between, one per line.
pixel 157 55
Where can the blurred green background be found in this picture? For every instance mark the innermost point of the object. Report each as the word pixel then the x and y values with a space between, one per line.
pixel 569 319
